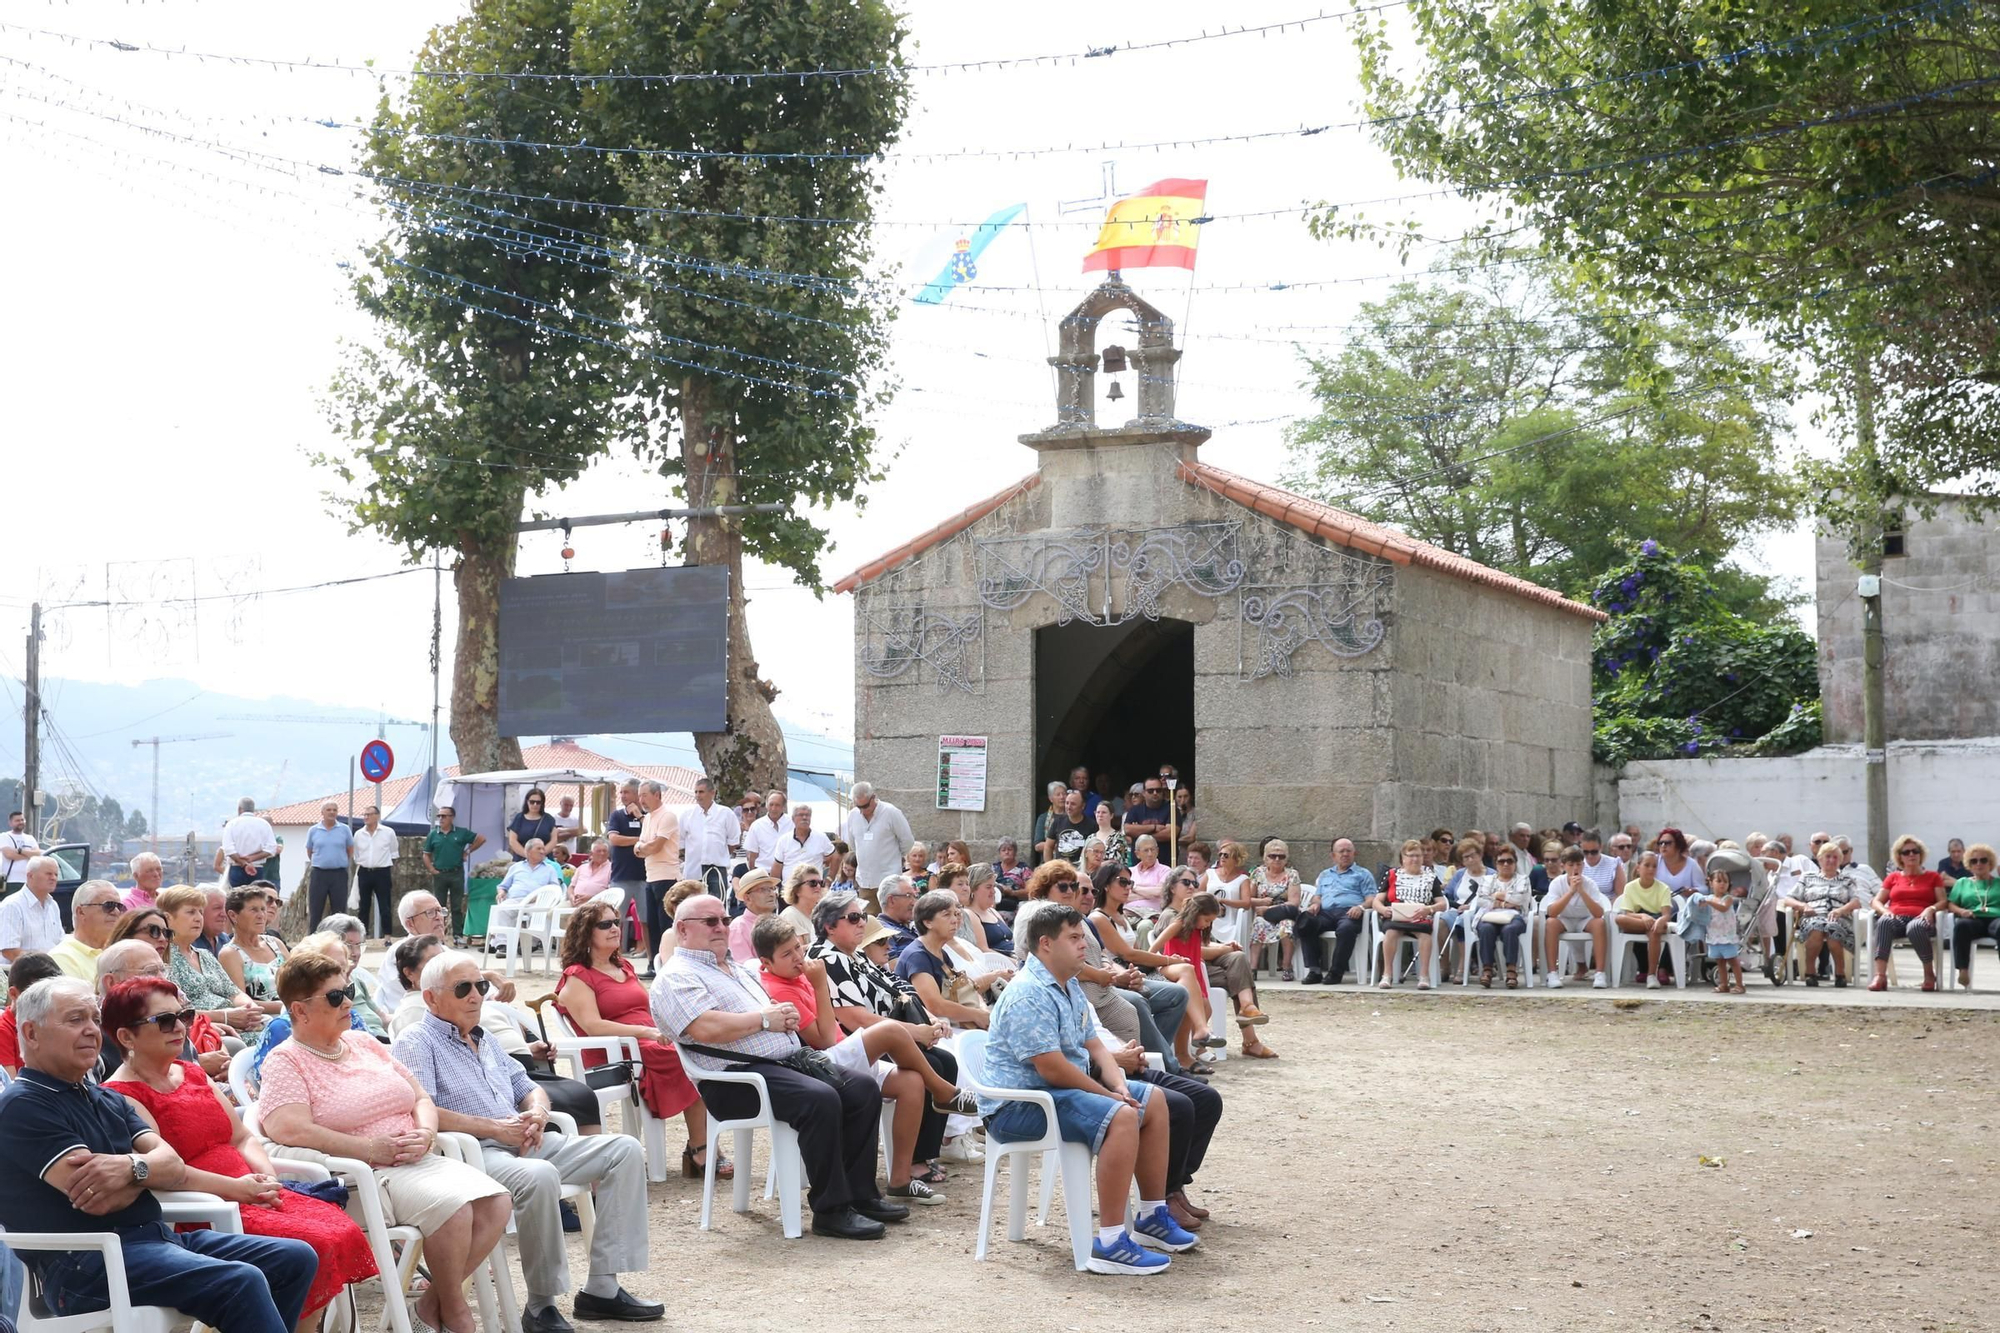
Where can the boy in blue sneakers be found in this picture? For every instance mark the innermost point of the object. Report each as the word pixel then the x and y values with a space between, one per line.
pixel 1041 1038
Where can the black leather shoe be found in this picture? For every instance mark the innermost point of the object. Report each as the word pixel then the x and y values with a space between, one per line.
pixel 847 1224
pixel 1315 979
pixel 548 1319
pixel 882 1210
pixel 622 1306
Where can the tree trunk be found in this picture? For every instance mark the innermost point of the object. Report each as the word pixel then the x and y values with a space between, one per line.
pixel 475 664
pixel 750 754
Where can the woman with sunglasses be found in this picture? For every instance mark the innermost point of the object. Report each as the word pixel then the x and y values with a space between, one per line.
pixel 336 1092
pixel 198 972
pixel 1974 905
pixel 805 885
pixel 1277 893
pixel 1908 905
pixel 601 995
pixel 533 824
pixel 148 924
pixel 276 1032
pixel 144 1022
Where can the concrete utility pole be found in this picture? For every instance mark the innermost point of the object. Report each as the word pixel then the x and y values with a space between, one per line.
pixel 1874 719
pixel 31 713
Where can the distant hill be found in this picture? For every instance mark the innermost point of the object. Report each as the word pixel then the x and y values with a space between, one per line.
pixel 274 762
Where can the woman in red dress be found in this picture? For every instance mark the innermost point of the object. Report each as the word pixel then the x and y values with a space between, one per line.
pixel 601 995
pixel 145 1021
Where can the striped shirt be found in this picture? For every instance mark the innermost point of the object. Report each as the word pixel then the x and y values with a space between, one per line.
pixel 692 984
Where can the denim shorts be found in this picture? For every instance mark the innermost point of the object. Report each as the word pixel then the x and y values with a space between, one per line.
pixel 1081 1117
pixel 1729 950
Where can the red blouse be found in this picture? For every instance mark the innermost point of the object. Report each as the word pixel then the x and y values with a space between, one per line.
pixel 1910 894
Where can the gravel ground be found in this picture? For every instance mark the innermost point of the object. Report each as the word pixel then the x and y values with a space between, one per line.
pixel 1435 1162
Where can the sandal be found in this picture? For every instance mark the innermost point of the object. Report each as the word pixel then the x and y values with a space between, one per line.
pixel 1486 977
pixel 1737 989
pixel 1259 1052
pixel 932 1174
pixel 1513 978
pixel 693 1167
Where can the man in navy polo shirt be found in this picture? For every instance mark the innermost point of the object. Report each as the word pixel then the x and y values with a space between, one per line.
pixel 80 1159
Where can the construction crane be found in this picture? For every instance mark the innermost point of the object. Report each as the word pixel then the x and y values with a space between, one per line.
pixel 382 723
pixel 153 815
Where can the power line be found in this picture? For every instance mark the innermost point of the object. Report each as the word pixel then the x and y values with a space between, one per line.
pixel 232 596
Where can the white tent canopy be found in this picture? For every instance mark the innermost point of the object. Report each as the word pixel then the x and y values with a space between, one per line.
pixel 485 802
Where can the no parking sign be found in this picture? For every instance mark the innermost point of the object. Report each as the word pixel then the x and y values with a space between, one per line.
pixel 377 760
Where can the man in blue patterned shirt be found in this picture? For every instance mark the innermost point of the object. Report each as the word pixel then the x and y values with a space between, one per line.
pixel 1040 1038
pixel 482 1091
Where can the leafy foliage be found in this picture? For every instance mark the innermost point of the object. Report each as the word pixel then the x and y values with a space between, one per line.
pixel 1831 173
pixel 1675 672
pixel 1507 420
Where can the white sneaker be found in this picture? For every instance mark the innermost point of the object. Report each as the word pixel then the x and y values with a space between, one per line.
pixel 1555 981
pixel 1598 981
pixel 1652 983
pixel 961 1149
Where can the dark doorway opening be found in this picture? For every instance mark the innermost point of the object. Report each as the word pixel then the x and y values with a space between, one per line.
pixel 1119 699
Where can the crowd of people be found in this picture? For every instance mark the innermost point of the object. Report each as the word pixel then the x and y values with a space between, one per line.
pixel 172 1039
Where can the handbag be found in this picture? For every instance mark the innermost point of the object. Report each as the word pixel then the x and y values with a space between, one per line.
pixel 1499 916
pixel 1409 912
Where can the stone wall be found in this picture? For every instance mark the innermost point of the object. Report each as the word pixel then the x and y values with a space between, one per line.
pixel 1941 632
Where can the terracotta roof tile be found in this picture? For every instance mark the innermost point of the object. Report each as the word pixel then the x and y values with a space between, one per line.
pixel 1351 530
pixel 678 780
pixel 943 532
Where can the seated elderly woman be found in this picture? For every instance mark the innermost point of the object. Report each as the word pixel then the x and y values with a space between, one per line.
pixel 1149 875
pixel 251 957
pixel 196 971
pixel 1011 873
pixel 1500 914
pixel 1974 905
pixel 917 865
pixel 1826 900
pixel 805 885
pixel 1411 896
pixel 758 892
pixel 1908 903
pixel 938 972
pixel 889 1052
pixel 144 1022
pixel 983 913
pixel 336 1092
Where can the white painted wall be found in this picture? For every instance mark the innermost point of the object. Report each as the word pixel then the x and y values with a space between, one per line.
pixel 1937 790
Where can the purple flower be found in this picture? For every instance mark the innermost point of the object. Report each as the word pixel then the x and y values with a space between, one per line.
pixel 1628 585
pixel 1649 547
pixel 1691 748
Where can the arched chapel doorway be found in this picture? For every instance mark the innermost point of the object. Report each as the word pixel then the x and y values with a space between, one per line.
pixel 1119 699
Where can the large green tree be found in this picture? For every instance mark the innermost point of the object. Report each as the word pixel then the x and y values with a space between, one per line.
pixel 769 335
pixel 1507 416
pixel 476 394
pixel 1827 170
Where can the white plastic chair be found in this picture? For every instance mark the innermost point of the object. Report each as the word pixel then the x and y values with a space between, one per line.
pixel 493 1283
pixel 566 1043
pixel 787 1166
pixel 1577 938
pixel 514 922
pixel 1071 1159
pixel 120 1315
pixel 1621 950
pixel 557 918
pixel 1376 932
pixel 1469 935
pixel 1947 972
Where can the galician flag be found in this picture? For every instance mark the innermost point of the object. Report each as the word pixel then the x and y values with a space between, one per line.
pixel 1158 227
pixel 963 266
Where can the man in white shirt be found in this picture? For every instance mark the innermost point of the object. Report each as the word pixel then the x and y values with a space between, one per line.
pixel 1574 905
pixel 375 850
pixel 879 835
pixel 709 832
pixel 30 921
pixel 569 823
pixel 801 844
pixel 766 832
pixel 17 849
pixel 248 842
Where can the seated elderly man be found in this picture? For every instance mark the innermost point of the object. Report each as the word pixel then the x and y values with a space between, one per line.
pixel 79 1158
pixel 898 899
pixel 525 876
pixel 480 1090
pixel 95 909
pixel 130 959
pixel 422 914
pixel 31 920
pixel 711 1007
pixel 1042 1038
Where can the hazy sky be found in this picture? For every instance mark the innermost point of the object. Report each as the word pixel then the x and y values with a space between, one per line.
pixel 171 332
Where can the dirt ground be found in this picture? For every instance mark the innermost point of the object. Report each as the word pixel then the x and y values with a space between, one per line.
pixel 1438 1162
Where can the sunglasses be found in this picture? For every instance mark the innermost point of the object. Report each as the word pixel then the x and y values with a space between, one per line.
pixel 1275 856
pixel 1503 860
pixel 608 923
pixel 855 918
pixel 1909 851
pixel 153 932
pixel 812 883
pixel 340 995
pixel 1125 880
pixel 1154 791
pixel 710 921
pixel 111 908
pixel 461 990
pixel 168 1022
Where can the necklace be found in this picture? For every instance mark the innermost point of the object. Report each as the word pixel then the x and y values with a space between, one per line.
pixel 339 1052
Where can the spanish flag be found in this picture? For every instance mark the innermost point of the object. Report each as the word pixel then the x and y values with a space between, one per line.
pixel 1158 227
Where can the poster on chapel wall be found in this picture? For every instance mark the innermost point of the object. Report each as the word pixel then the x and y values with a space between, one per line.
pixel 961 781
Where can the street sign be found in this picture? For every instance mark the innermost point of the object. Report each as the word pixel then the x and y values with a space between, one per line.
pixel 377 760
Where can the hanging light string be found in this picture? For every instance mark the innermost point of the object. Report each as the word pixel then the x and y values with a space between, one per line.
pixel 667 79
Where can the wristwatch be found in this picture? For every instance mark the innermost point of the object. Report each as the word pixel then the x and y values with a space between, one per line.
pixel 141 1168
pixel 766 1018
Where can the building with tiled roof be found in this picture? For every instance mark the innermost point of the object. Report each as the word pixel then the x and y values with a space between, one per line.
pixel 1310 673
